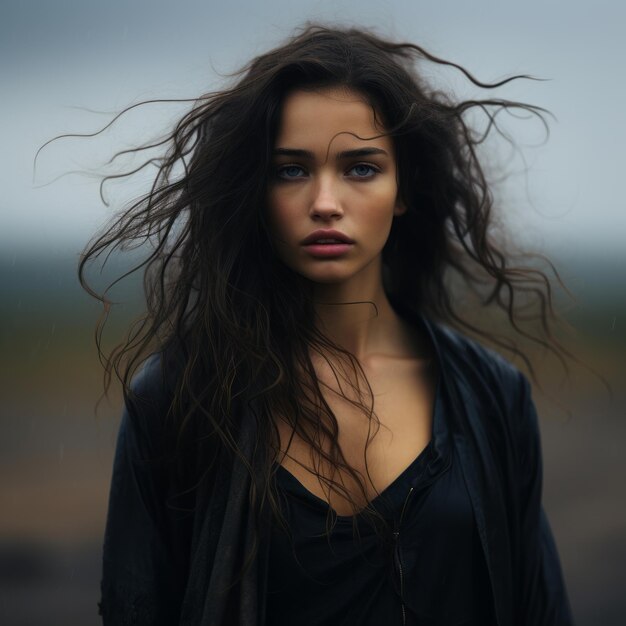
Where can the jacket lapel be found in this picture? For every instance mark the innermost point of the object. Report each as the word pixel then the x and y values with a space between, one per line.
pixel 483 479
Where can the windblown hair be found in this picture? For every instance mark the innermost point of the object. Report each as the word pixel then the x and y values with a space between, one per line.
pixel 243 322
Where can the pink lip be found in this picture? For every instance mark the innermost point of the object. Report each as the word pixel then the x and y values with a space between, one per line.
pixel 326 234
pixel 327 250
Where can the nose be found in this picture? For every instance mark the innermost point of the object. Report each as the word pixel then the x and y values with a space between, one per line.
pixel 326 203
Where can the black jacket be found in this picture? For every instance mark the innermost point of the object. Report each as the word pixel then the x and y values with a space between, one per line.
pixel 164 566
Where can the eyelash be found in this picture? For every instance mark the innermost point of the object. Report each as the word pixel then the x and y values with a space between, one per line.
pixel 282 168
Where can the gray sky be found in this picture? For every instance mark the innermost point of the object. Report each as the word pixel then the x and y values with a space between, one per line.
pixel 56 56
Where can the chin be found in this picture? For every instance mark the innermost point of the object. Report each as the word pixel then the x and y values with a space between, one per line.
pixel 328 278
pixel 323 275
pixel 328 272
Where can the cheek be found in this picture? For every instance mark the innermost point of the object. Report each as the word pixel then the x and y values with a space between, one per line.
pixel 381 207
pixel 278 215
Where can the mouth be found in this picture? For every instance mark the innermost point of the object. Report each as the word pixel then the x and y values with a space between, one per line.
pixel 327 248
pixel 326 237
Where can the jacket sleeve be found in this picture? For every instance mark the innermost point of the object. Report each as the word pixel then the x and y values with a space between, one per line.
pixel 543 598
pixel 140 582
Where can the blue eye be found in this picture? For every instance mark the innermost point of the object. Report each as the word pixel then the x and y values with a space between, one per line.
pixel 289 171
pixel 293 172
pixel 363 170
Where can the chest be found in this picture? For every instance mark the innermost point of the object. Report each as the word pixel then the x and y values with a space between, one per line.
pixel 402 396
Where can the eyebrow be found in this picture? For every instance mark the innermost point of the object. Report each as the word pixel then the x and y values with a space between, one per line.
pixel 346 154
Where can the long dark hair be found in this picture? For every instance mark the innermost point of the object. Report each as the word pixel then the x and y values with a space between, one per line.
pixel 239 319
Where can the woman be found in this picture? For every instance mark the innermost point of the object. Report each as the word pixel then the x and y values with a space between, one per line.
pixel 309 442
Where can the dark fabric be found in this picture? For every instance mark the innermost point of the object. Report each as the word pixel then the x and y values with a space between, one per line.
pixel 164 563
pixel 431 572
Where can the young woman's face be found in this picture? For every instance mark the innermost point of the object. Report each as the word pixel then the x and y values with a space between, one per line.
pixel 331 172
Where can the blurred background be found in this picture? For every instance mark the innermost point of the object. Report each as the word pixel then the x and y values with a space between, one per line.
pixel 68 66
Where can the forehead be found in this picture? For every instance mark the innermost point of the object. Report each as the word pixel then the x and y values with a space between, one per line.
pixel 314 119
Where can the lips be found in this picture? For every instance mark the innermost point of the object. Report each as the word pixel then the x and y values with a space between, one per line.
pixel 326 237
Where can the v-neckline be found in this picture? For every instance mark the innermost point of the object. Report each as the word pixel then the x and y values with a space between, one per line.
pixel 422 456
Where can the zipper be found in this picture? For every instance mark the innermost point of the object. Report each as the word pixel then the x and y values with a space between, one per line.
pixel 398 558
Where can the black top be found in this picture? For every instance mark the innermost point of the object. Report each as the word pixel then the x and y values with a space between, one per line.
pixel 425 566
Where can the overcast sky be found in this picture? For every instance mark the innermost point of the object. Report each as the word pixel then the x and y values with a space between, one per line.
pixel 59 60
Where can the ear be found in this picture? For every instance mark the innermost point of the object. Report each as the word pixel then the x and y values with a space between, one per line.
pixel 400 208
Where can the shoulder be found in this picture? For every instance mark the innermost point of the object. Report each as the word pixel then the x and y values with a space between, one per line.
pixel 487 374
pixel 157 376
pixel 149 399
pixel 156 379
pixel 475 356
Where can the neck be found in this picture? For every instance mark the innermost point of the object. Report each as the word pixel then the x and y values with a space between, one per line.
pixel 357 316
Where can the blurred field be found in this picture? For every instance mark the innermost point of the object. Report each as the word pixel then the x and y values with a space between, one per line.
pixel 56 454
